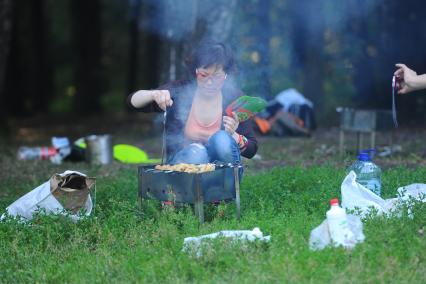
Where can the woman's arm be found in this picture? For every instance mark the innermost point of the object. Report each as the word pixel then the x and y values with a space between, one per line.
pixel 143 98
pixel 247 137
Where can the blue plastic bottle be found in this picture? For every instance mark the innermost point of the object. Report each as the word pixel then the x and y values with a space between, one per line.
pixel 368 173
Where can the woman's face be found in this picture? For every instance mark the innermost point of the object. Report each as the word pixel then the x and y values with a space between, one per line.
pixel 210 79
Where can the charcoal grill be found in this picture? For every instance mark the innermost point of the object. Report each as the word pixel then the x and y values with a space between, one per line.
pixel 192 188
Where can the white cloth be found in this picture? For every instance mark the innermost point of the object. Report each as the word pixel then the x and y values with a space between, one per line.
pixel 194 244
pixel 292 97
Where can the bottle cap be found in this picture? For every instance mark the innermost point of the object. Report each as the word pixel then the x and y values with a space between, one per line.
pixel 364 156
pixel 334 201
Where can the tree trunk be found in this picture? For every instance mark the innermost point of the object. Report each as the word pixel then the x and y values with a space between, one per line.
pixel 357 28
pixel 41 75
pixel 135 10
pixel 29 80
pixel 178 22
pixel 5 32
pixel 150 43
pixel 219 16
pixel 263 36
pixel 307 34
pixel 86 39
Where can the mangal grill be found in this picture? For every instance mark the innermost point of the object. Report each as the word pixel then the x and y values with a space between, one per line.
pixel 194 188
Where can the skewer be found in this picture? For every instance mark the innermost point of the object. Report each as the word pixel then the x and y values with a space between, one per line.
pixel 164 136
pixel 395 122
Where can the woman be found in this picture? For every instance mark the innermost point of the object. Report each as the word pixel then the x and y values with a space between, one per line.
pixel 197 130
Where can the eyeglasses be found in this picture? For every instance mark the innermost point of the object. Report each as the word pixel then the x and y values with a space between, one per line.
pixel 215 77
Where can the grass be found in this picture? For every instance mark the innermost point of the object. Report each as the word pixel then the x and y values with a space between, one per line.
pixel 125 243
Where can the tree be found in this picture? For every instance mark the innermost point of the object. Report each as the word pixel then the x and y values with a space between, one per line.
pixel 178 22
pixel 5 31
pixel 29 76
pixel 135 11
pixel 150 44
pixel 307 34
pixel 218 17
pixel 263 36
pixel 86 40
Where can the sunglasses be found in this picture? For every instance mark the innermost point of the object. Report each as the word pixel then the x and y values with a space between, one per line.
pixel 215 77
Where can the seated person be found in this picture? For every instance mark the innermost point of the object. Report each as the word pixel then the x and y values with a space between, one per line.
pixel 197 129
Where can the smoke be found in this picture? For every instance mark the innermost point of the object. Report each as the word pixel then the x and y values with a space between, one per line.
pixel 339 14
pixel 189 19
pixel 167 18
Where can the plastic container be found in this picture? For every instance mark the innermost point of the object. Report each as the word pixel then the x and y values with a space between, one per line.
pixel 36 153
pixel 338 225
pixel 367 173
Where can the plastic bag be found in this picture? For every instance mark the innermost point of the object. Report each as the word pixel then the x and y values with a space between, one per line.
pixel 63 147
pixel 194 244
pixel 362 201
pixel 68 192
pixel 320 236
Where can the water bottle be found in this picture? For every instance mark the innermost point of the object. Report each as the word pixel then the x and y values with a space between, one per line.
pixel 368 173
pixel 36 153
pixel 338 225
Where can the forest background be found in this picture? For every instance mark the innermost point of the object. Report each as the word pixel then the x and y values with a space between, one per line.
pixel 61 58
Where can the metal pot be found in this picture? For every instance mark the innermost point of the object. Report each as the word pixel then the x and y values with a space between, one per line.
pixel 99 149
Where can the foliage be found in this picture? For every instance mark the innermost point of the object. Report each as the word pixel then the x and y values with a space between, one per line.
pixel 337 53
pixel 126 243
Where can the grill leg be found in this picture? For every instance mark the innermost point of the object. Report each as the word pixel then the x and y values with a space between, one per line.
pixel 237 192
pixel 199 202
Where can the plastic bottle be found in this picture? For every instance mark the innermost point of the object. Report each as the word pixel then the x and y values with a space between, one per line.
pixel 36 153
pixel 338 225
pixel 367 173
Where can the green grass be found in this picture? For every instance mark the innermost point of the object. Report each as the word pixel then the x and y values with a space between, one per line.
pixel 123 243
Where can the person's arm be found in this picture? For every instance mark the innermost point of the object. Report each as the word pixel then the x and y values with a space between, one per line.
pixel 408 80
pixel 243 134
pixel 246 139
pixel 143 98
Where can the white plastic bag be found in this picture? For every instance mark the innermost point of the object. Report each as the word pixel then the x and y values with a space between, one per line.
pixel 43 198
pixel 320 236
pixel 63 148
pixel 194 244
pixel 356 197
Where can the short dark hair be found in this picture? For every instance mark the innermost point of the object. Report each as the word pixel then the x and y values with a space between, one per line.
pixel 209 53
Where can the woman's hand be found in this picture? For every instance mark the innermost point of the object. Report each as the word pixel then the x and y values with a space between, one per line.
pixel 231 123
pixel 406 79
pixel 162 98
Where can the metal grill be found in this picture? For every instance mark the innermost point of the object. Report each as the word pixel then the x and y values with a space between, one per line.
pixel 193 188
